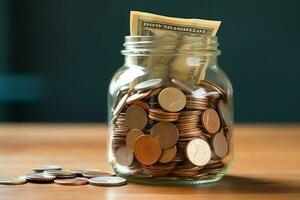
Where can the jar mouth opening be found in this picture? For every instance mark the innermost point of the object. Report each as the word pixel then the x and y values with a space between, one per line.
pixel 171 44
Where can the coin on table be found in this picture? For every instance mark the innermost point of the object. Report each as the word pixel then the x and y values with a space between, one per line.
pixel 210 120
pixel 46 167
pixel 198 152
pixel 224 112
pixel 92 174
pixel 168 155
pixel 165 133
pixel 60 173
pixel 108 181
pixel 147 150
pixel 124 156
pixel 131 138
pixel 219 145
pixel 78 172
pixel 120 105
pixel 72 181
pixel 12 181
pixel 136 117
pixel 172 99
pixel 149 84
pixel 40 177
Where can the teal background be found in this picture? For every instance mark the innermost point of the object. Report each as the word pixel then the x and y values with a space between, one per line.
pixel 58 56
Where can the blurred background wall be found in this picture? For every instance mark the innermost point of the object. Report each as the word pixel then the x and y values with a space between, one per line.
pixel 58 56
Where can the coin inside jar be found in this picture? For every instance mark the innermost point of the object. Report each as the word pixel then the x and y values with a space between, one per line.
pixel 147 150
pixel 168 155
pixel 172 99
pixel 165 133
pixel 224 112
pixel 149 84
pixel 124 156
pixel 120 105
pixel 198 152
pixel 131 138
pixel 136 117
pixel 219 144
pixel 210 120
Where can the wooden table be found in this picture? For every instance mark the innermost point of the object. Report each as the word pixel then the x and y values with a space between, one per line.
pixel 266 164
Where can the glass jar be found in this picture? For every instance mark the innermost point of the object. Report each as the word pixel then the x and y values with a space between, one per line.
pixel 170 112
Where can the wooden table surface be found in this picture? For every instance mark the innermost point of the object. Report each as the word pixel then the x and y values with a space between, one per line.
pixel 266 164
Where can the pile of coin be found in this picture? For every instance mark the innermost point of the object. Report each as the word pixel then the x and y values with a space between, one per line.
pixel 171 130
pixel 55 174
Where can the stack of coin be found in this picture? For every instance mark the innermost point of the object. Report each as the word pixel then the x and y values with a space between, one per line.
pixel 172 130
pixel 55 174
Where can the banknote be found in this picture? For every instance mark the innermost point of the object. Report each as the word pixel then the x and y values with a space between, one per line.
pixel 187 68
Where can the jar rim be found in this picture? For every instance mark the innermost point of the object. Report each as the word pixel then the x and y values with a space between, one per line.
pixel 144 45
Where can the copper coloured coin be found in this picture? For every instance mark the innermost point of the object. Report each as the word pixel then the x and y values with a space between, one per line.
pixel 72 181
pixel 224 112
pixel 136 117
pixel 210 120
pixel 172 99
pixel 166 134
pixel 147 150
pixel 219 145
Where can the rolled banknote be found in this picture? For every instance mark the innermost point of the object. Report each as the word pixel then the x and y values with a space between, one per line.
pixel 190 69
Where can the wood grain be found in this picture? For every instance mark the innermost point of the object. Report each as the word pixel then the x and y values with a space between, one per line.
pixel 266 164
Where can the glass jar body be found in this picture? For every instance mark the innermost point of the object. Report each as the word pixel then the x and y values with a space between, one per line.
pixel 169 123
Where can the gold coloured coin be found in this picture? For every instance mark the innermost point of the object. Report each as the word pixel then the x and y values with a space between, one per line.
pixel 165 133
pixel 172 99
pixel 131 138
pixel 136 117
pixel 210 120
pixel 168 155
pixel 147 150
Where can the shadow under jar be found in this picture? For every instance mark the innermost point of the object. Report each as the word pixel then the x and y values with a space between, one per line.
pixel 170 112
